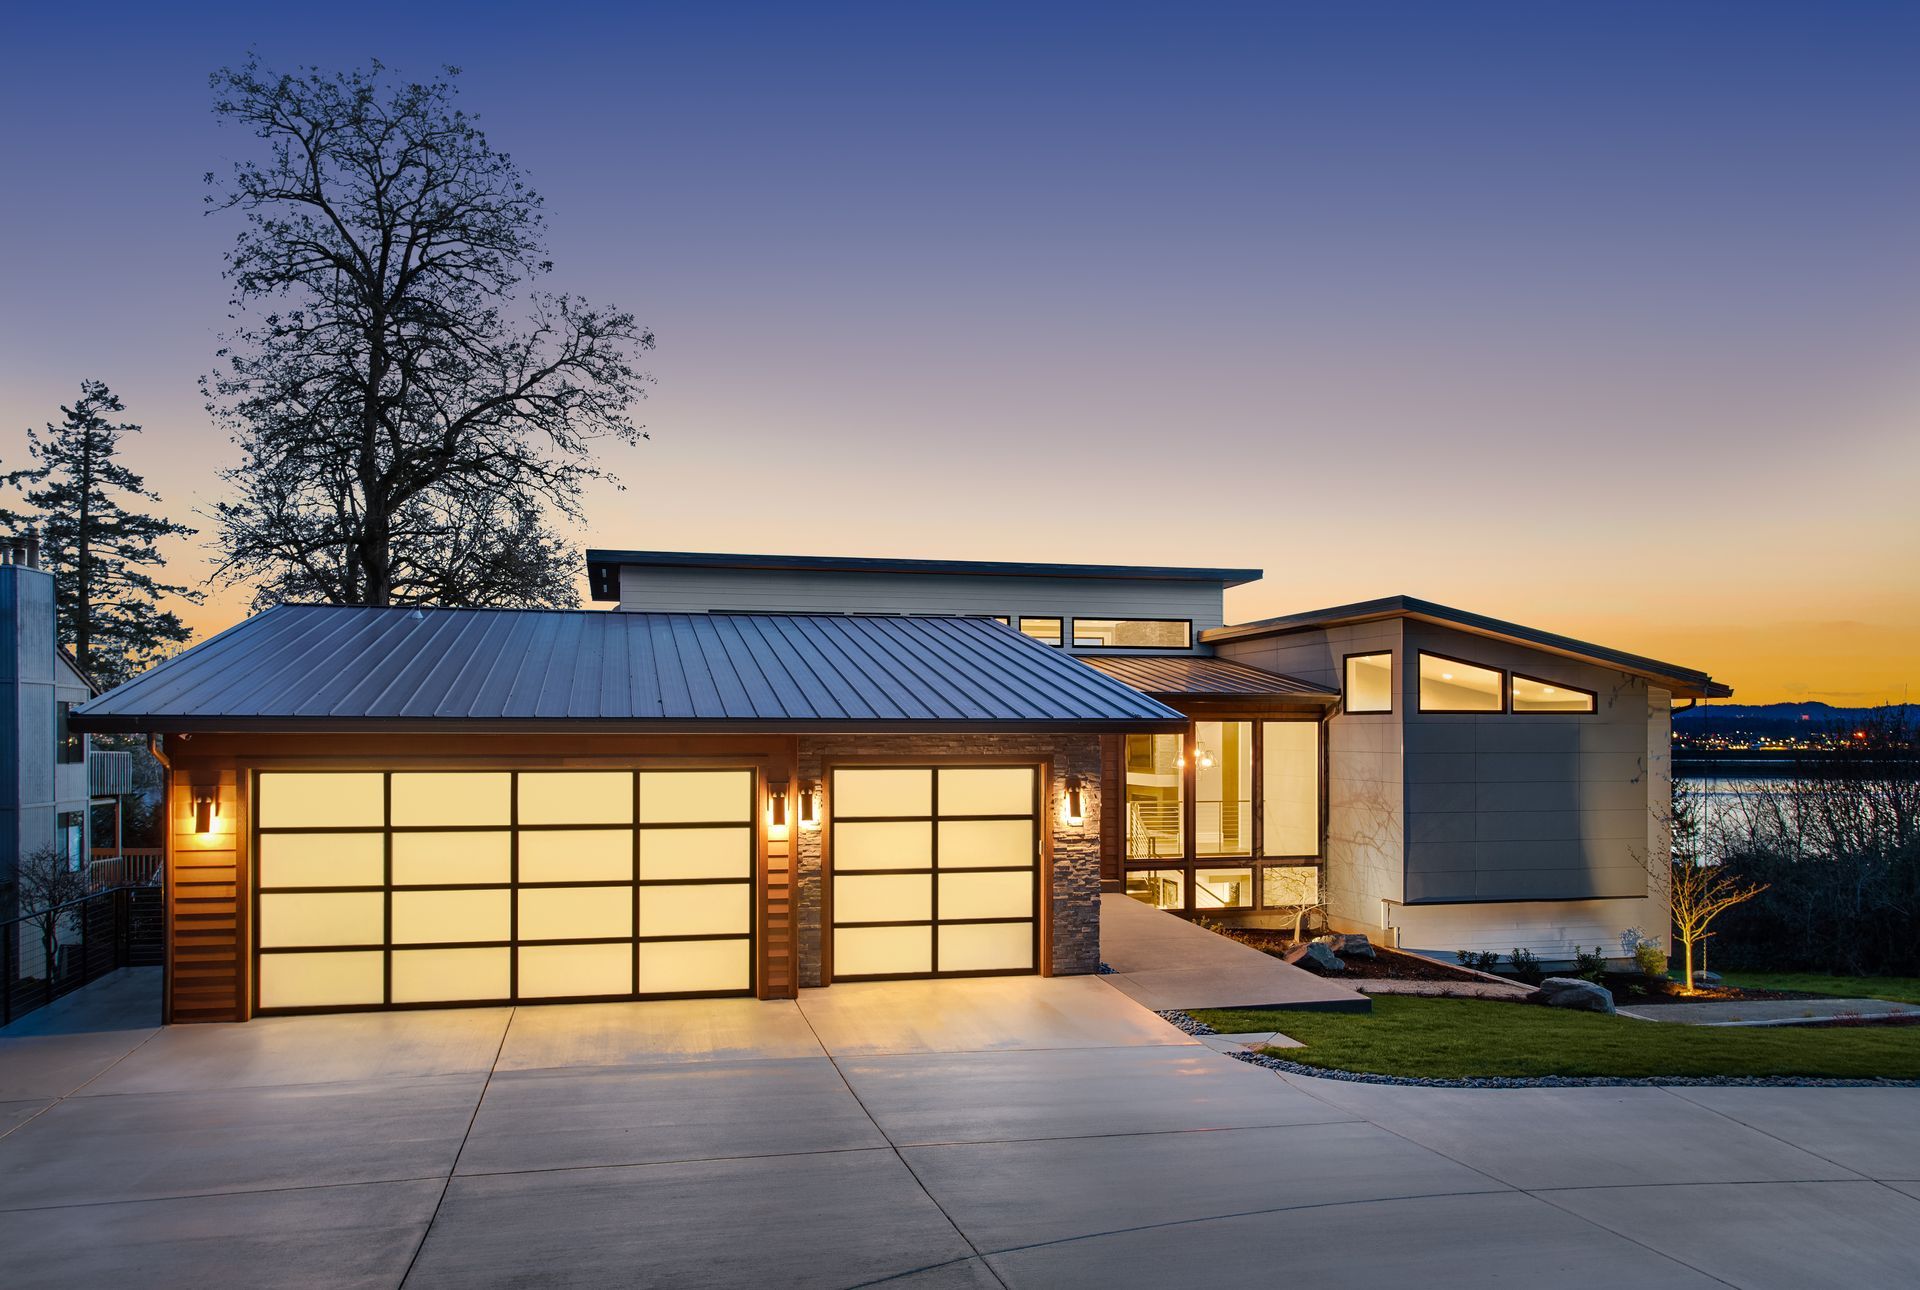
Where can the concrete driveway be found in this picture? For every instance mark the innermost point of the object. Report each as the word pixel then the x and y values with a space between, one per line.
pixel 963 1133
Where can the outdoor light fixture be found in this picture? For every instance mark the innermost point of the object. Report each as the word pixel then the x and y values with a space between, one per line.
pixel 206 809
pixel 777 809
pixel 1205 757
pixel 809 806
pixel 1076 801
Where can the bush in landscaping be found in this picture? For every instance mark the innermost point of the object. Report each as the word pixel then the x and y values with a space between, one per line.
pixel 1478 960
pixel 1526 968
pixel 1590 967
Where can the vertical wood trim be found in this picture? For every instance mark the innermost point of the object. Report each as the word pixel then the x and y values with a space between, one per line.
pixel 1112 782
pixel 777 966
pixel 1050 796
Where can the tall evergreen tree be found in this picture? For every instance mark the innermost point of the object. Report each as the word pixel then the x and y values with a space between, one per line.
pixel 103 555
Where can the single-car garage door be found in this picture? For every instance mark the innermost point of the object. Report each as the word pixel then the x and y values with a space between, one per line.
pixel 935 870
pixel 415 888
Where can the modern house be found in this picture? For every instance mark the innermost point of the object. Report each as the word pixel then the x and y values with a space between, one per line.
pixel 44 787
pixel 765 772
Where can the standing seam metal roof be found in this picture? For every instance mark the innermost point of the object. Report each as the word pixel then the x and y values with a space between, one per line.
pixel 1200 674
pixel 315 666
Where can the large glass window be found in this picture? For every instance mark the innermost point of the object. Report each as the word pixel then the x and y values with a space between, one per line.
pixel 69 745
pixel 1223 788
pixel 1155 786
pixel 1222 888
pixel 1532 695
pixel 1133 633
pixel 1450 685
pixel 1369 683
pixel 1161 888
pixel 1044 630
pixel 1289 886
pixel 1290 788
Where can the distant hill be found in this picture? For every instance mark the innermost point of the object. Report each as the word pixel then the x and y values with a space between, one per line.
pixel 1775 718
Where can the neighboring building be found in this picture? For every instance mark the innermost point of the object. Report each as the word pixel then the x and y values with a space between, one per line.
pixel 768 772
pixel 44 792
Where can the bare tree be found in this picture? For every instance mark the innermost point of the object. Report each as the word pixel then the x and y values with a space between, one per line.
pixel 408 407
pixel 1698 892
pixel 44 881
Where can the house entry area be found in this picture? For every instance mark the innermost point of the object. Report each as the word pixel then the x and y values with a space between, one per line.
pixel 935 871
pixel 455 888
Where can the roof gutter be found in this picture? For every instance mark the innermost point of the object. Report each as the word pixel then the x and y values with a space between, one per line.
pixel 152 725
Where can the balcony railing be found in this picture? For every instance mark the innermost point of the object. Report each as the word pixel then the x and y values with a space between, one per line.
pixel 109 774
pixel 132 867
pixel 46 955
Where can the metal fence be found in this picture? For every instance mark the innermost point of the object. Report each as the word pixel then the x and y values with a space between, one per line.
pixel 46 955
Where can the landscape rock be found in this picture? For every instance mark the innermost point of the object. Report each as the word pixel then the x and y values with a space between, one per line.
pixel 1704 977
pixel 1354 943
pixel 1321 955
pixel 1571 992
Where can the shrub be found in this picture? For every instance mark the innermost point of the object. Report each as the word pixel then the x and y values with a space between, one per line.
pixel 1478 960
pixel 1648 958
pixel 1590 967
pixel 1526 968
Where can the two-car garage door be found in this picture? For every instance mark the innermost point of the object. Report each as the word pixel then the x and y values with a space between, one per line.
pixel 419 888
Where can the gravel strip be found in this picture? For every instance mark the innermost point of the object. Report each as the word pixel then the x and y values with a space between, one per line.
pixel 1188 1025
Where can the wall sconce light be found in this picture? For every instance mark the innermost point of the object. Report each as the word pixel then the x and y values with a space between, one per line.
pixel 206 808
pixel 777 809
pixel 1076 801
pixel 1204 757
pixel 809 806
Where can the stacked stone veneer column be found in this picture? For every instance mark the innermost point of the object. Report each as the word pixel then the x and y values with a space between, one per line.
pixel 1076 850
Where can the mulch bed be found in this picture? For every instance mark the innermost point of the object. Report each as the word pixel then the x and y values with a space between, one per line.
pixel 1386 965
pixel 1631 990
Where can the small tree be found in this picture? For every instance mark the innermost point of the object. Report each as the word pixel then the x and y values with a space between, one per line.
pixel 102 554
pixel 1698 892
pixel 44 881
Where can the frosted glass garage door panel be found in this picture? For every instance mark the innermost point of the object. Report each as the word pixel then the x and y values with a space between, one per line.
pixel 704 910
pixel 570 971
pixel 987 947
pixel 890 845
pixel 986 790
pixel 454 797
pixel 323 918
pixel 882 792
pixel 882 898
pixel 575 913
pixel 882 951
pixel 322 859
pixel 986 895
pixel 696 853
pixel 322 801
pixel 322 980
pixel 446 976
pixel 428 917
pixel 576 797
pixel 985 844
pixel 696 797
pixel 421 859
pixel 576 855
pixel 688 967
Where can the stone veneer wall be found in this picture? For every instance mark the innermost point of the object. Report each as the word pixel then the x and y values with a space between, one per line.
pixel 1076 851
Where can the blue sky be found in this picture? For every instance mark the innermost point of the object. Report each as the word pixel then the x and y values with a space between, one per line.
pixel 1602 317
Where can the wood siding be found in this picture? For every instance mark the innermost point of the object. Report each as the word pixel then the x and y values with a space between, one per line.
pixel 208 963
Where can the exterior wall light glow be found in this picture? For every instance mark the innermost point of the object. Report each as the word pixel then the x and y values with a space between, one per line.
pixel 777 809
pixel 1076 801
pixel 809 806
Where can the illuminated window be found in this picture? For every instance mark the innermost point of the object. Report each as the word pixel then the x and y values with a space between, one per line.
pixel 1155 793
pixel 69 745
pixel 1532 695
pixel 1369 683
pixel 1223 788
pixel 1289 886
pixel 1044 630
pixel 1222 888
pixel 1161 888
pixel 1450 685
pixel 1290 788
pixel 1133 633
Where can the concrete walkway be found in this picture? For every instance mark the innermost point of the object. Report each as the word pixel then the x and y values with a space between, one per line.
pixel 1167 963
pixel 1770 1012
pixel 974 1133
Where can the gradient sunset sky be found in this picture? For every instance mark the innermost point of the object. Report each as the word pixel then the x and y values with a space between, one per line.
pixel 1604 317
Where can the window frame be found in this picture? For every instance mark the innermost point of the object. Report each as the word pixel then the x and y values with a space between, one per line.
pixel 1593 698
pixel 1072 626
pixel 1187 863
pixel 1345 687
pixel 1020 625
pixel 1419 701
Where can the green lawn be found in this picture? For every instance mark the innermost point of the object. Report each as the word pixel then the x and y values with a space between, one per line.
pixel 1903 989
pixel 1455 1038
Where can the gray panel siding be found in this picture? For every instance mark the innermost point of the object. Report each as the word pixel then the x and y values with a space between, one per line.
pixel 1525 807
pixel 806 591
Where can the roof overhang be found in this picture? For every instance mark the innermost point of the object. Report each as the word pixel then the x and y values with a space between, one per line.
pixel 1180 678
pixel 1685 683
pixel 170 725
pixel 603 568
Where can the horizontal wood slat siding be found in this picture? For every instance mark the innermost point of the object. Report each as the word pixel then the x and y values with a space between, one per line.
pixel 206 953
pixel 1113 805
